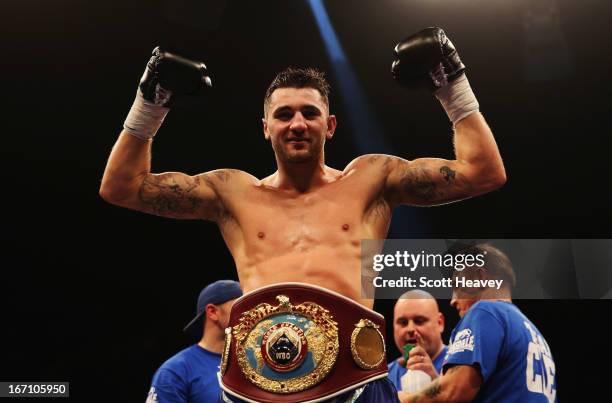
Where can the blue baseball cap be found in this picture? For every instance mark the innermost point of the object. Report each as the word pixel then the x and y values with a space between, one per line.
pixel 215 293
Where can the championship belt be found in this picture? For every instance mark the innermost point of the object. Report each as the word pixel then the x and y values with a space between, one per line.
pixel 295 342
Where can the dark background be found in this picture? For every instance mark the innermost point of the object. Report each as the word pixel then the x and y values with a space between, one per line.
pixel 97 295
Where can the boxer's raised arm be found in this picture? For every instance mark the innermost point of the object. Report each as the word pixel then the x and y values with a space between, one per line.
pixel 477 169
pixel 127 182
pixel 168 80
pixel 428 59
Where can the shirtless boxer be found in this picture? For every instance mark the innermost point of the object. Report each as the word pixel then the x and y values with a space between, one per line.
pixel 304 223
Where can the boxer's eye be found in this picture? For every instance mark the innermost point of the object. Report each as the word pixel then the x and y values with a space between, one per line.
pixel 311 112
pixel 284 116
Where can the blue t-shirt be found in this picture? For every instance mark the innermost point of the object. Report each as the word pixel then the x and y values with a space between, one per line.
pixel 396 371
pixel 509 351
pixel 188 376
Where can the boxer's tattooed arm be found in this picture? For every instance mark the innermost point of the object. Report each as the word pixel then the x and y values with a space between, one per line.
pixel 169 193
pixel 417 182
pixel 223 175
pixel 177 196
pixel 379 158
pixel 448 173
pixel 372 159
pixel 429 183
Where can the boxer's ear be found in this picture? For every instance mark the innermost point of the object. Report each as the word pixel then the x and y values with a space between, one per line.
pixel 265 128
pixel 331 126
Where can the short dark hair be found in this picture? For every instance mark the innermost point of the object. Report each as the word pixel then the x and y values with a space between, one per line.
pixel 497 262
pixel 299 78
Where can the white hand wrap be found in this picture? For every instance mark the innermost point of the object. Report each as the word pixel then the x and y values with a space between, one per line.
pixel 144 118
pixel 457 99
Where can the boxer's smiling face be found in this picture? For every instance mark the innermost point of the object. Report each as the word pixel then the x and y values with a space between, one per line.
pixel 298 123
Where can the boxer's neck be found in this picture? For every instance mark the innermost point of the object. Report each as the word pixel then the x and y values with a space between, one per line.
pixel 301 177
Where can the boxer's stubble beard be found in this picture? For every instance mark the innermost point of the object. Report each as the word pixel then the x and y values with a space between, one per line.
pixel 312 152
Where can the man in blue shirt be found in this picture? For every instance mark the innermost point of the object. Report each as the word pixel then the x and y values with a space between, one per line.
pixel 496 353
pixel 190 376
pixel 417 320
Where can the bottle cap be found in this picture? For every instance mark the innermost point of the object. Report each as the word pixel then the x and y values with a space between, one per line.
pixel 407 348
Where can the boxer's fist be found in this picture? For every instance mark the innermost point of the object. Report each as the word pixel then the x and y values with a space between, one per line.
pixel 427 59
pixel 169 77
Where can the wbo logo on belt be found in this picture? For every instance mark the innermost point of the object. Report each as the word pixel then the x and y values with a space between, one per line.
pixel 285 348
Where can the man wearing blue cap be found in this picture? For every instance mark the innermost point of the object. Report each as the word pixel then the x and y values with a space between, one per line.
pixel 191 375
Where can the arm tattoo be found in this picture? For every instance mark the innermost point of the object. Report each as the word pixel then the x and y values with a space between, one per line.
pixel 418 181
pixel 223 175
pixel 448 173
pixel 375 158
pixel 170 194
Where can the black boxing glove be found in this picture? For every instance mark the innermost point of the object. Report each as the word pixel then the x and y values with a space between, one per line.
pixel 169 77
pixel 168 80
pixel 428 59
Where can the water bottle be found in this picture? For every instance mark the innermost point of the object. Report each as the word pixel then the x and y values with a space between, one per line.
pixel 413 380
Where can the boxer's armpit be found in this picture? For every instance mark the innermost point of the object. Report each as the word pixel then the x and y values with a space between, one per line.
pixel 177 195
pixel 381 210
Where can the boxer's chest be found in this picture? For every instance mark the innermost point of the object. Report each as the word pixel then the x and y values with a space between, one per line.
pixel 331 214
